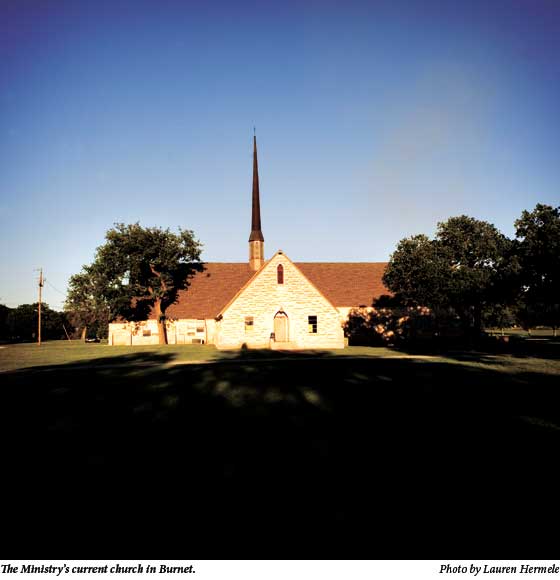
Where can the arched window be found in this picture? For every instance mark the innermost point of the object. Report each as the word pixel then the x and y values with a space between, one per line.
pixel 280 274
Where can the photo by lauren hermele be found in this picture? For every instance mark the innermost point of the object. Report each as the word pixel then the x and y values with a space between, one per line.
pixel 517 568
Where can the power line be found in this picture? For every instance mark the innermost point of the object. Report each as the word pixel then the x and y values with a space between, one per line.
pixel 59 291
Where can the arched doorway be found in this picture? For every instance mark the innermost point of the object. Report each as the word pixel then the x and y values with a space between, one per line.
pixel 281 327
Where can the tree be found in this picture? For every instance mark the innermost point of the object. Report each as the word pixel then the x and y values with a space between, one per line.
pixel 140 269
pixel 418 272
pixel 467 267
pixel 22 322
pixel 539 252
pixel 483 267
pixel 395 324
pixel 85 307
pixel 4 313
pixel 499 316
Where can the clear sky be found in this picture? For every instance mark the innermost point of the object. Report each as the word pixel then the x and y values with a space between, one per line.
pixel 375 120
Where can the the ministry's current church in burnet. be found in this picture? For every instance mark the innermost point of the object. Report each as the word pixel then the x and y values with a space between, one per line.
pixel 262 303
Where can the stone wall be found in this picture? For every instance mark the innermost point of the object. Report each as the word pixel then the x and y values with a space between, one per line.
pixel 146 332
pixel 263 298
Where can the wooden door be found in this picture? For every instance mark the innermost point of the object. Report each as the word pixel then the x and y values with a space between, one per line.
pixel 281 327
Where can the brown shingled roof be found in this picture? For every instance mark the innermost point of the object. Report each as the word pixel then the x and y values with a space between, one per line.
pixel 343 283
pixel 347 283
pixel 210 290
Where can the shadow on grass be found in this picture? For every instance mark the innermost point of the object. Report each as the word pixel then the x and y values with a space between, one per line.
pixel 486 348
pixel 286 458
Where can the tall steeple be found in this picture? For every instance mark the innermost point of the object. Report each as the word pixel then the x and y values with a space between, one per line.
pixel 256 239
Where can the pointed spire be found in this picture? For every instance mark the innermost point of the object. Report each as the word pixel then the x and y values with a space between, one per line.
pixel 256 233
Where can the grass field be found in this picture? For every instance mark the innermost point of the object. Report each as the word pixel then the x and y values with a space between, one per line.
pixel 172 451
pixel 61 352
pixel 57 352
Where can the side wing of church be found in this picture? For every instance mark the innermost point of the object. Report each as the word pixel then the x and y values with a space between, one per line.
pixel 274 304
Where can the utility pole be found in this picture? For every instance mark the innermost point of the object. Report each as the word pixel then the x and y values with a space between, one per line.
pixel 40 289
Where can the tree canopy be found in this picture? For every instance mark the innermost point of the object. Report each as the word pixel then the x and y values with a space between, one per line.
pixel 418 272
pixel 468 266
pixel 21 323
pixel 85 305
pixel 136 270
pixel 539 254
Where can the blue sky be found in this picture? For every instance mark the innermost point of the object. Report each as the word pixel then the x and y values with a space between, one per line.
pixel 375 120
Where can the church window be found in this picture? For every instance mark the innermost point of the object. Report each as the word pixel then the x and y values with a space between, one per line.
pixel 249 324
pixel 280 274
pixel 312 324
pixel 146 332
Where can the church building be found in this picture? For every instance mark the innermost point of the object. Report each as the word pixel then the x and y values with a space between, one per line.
pixel 275 303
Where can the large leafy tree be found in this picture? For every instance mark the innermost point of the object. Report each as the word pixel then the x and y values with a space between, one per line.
pixel 418 272
pixel 140 269
pixel 483 267
pixel 539 252
pixel 85 305
pixel 468 266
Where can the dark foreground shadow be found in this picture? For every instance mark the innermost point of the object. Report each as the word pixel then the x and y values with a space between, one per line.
pixel 547 348
pixel 291 458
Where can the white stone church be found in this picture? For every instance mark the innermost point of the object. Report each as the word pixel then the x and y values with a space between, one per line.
pixel 273 303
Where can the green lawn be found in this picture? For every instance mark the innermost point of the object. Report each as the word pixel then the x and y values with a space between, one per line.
pixel 52 353
pixel 58 352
